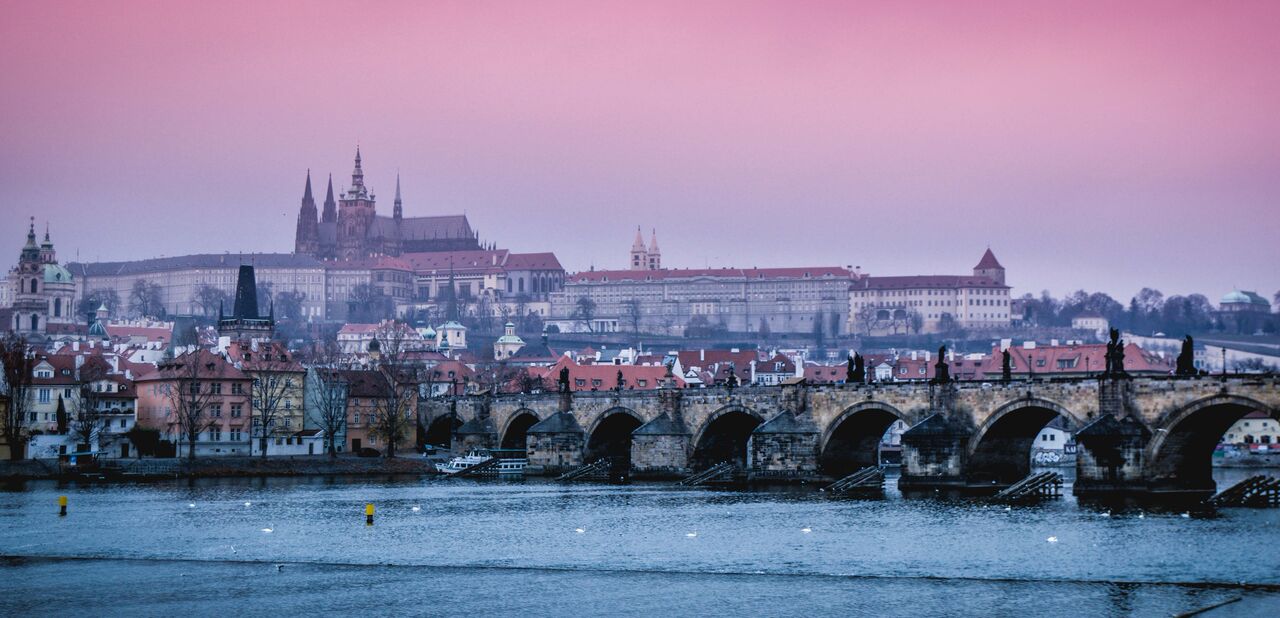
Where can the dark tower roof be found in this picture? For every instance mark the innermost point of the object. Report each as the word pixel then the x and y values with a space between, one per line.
pixel 988 261
pixel 330 205
pixel 306 194
pixel 246 295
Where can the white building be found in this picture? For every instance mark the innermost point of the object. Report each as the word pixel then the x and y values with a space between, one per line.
pixel 931 303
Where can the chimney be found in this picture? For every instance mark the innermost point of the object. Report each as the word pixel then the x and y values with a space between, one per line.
pixel 1053 342
pixel 913 355
pixel 1028 345
pixel 702 355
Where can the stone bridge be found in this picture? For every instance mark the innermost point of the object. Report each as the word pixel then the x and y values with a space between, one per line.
pixel 1134 435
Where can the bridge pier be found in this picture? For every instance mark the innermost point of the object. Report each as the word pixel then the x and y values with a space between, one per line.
pixel 934 455
pixel 1109 458
pixel 556 444
pixel 784 449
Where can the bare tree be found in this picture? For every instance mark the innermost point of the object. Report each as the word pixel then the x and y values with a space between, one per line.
pixel 18 363
pixel 290 304
pixel 395 413
pixel 585 311
pixel 87 422
pixel 97 298
pixel 276 381
pixel 209 299
pixel 631 311
pixel 189 394
pixel 326 394
pixel 145 299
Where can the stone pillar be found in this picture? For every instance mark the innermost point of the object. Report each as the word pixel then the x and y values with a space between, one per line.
pixel 477 433
pixel 934 454
pixel 1109 456
pixel 784 449
pixel 555 444
pixel 661 447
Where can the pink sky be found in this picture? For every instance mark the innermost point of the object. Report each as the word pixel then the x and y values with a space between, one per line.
pixel 1104 146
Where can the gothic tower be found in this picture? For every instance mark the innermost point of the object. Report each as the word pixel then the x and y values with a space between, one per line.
pixel 307 237
pixel 655 254
pixel 330 206
pixel 639 255
pixel 356 212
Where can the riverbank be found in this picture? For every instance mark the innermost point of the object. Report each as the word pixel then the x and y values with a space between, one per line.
pixel 219 467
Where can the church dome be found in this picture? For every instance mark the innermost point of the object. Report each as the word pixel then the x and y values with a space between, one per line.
pixel 1235 297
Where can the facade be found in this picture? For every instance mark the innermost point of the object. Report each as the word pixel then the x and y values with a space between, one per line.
pixel 1256 427
pixel 779 300
pixel 350 228
pixel 278 383
pixel 931 303
pixel 40 293
pixel 1092 322
pixel 223 392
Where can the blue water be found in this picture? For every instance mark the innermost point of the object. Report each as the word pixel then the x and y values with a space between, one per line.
pixel 479 548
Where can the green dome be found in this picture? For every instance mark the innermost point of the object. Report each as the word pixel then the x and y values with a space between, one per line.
pixel 1236 297
pixel 54 273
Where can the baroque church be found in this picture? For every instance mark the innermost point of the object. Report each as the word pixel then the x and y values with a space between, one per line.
pixel 350 228
pixel 40 292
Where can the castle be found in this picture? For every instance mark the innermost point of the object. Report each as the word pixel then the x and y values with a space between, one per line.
pixel 350 228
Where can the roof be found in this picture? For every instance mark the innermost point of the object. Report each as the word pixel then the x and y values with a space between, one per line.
pixel 661 426
pixel 707 358
pixel 533 261
pixel 200 260
pixel 605 377
pixel 213 367
pixel 988 261
pixel 824 374
pixel 560 422
pixel 1233 297
pixel 916 282
pixel 1083 358
pixel 423 228
pixel 364 383
pixel 811 272
pixel 54 273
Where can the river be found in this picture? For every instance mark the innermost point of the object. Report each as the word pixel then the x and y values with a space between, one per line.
pixel 481 548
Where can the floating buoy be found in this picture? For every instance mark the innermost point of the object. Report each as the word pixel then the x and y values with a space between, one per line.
pixel 368 514
pixel 62 506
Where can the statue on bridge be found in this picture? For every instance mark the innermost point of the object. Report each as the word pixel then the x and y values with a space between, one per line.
pixel 1186 358
pixel 564 379
pixel 1006 366
pixel 856 372
pixel 732 382
pixel 1115 356
pixel 942 371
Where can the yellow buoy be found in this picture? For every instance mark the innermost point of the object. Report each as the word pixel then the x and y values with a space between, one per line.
pixel 368 514
pixel 62 505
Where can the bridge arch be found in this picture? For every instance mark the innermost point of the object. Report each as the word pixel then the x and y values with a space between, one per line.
pixel 724 436
pixel 441 429
pixel 1180 453
pixel 852 440
pixel 516 432
pixel 999 452
pixel 610 437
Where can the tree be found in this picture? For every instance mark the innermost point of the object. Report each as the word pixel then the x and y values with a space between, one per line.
pixel 273 385
pixel 367 304
pixel 289 304
pixel 86 419
pixel 915 322
pixel 264 290
pixel 209 299
pixel 145 299
pixel 189 395
pixel 18 364
pixel 97 298
pixel 631 311
pixel 585 311
pixel 395 413
pixel 326 394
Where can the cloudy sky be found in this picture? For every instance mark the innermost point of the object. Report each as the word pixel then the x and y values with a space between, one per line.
pixel 1105 146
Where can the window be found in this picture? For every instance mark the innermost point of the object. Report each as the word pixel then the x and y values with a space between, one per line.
pixel 194 388
pixel 236 410
pixel 43 395
pixel 237 388
pixel 215 410
pixel 235 434
pixel 215 434
pixel 215 388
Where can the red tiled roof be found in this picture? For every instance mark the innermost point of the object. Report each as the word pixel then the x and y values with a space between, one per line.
pixel 914 282
pixel 988 261
pixel 707 358
pixel 462 262
pixel 533 261
pixel 824 374
pixel 607 376
pixel 815 272
pixel 213 367
pixel 1090 358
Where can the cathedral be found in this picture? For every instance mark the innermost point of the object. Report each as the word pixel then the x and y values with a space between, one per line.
pixel 350 228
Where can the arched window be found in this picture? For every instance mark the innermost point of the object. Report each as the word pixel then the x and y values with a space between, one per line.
pixel 57 307
pixel 35 322
pixel 33 285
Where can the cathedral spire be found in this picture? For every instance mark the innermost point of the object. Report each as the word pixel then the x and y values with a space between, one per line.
pixel 306 193
pixel 357 174
pixel 330 205
pixel 397 211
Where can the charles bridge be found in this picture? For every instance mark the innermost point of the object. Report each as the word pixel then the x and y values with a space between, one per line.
pixel 1134 435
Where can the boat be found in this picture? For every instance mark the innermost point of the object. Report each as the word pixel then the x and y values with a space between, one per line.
pixel 476 456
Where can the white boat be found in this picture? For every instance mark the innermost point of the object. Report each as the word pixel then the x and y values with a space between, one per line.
pixel 505 466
